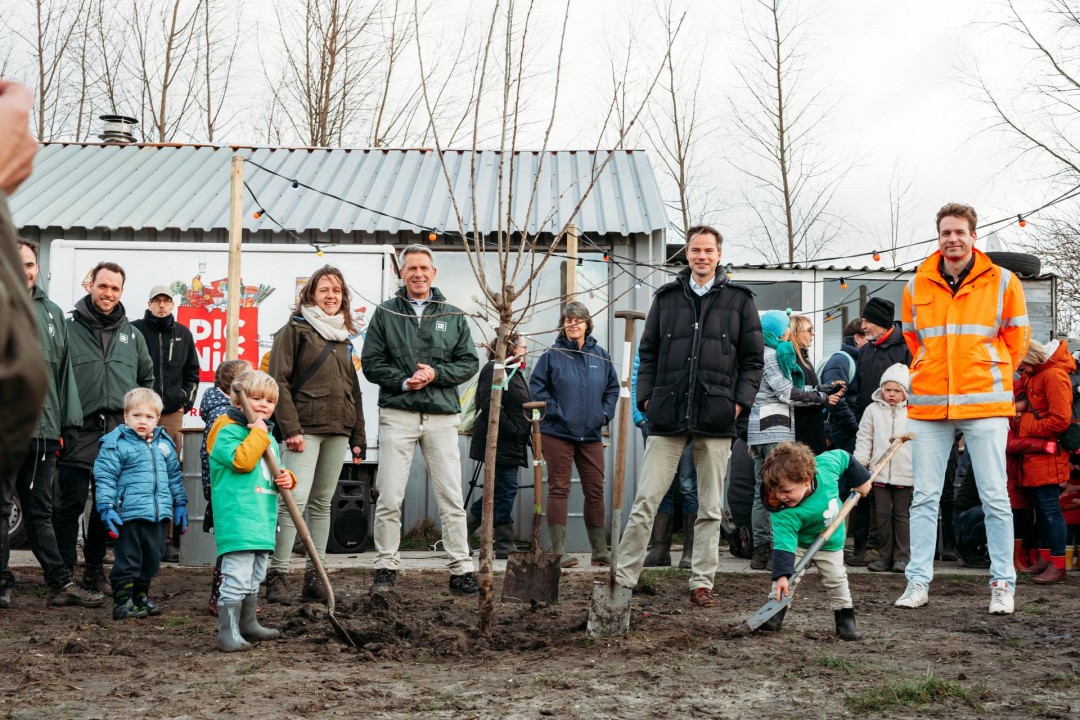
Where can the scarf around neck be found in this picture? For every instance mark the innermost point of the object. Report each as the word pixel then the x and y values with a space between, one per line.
pixel 329 327
pixel 785 358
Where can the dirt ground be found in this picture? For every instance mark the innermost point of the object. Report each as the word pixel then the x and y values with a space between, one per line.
pixel 421 659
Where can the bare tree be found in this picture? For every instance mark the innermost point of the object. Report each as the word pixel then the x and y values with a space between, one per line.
pixel 901 198
pixel 1038 111
pixel 167 64
pixel 220 40
pixel 508 258
pixel 780 121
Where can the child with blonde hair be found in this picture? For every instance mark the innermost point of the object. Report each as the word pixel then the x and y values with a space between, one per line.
pixel 245 498
pixel 139 489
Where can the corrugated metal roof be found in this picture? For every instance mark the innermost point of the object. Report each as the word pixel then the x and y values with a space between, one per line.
pixel 88 185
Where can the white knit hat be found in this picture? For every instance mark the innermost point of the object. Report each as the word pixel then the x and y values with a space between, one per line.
pixel 898 374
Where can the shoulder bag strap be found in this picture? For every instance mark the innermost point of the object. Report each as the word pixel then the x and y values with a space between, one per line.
pixel 314 367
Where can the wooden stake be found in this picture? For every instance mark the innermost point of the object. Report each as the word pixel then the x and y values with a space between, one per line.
pixel 236 231
pixel 571 263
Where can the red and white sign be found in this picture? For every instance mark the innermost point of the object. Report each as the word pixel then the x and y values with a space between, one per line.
pixel 209 329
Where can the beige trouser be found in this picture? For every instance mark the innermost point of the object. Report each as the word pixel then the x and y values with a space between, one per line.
pixel 830 565
pixel 317 471
pixel 399 433
pixel 173 424
pixel 662 454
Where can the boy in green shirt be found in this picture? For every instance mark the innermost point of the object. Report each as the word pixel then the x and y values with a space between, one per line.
pixel 245 508
pixel 802 493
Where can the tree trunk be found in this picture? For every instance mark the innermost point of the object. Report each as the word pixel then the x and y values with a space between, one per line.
pixel 487 554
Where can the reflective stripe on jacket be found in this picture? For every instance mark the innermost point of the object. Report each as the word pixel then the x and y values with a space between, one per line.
pixel 965 347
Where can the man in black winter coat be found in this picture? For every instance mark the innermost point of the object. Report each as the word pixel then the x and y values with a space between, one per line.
pixel 176 374
pixel 176 365
pixel 702 355
pixel 884 348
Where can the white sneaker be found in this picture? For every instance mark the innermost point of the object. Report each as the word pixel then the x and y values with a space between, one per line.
pixel 1001 598
pixel 915 595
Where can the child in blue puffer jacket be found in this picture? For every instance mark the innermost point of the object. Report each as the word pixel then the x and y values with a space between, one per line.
pixel 139 490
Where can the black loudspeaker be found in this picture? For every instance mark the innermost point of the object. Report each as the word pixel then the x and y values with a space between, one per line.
pixel 351 512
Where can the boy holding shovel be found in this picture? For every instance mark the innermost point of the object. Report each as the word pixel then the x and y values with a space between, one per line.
pixel 802 493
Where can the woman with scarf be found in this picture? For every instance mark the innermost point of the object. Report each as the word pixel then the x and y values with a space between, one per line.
pixel 512 446
pixel 320 415
pixel 772 421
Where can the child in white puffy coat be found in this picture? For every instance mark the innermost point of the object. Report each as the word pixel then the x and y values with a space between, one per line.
pixel 886 417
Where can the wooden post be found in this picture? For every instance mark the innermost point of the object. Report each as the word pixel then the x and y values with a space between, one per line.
pixel 236 231
pixel 571 263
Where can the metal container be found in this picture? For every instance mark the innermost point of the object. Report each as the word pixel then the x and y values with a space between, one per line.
pixel 197 548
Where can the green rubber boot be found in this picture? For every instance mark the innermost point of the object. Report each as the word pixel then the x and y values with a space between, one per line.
pixel 557 533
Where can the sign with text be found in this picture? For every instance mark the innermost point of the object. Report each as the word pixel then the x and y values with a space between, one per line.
pixel 208 327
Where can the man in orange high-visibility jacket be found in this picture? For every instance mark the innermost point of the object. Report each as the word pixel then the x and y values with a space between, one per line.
pixel 965 321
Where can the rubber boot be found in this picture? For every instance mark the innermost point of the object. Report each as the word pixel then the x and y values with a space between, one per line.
pixel 313 590
pixel 598 540
pixel 773 624
pixel 557 533
pixel 124 607
pixel 685 562
pixel 504 541
pixel 1039 565
pixel 249 626
pixel 1054 572
pixel 1019 559
pixel 845 624
pixel 140 597
pixel 660 553
pixel 228 629
pixel 215 589
pixel 472 523
pixel 277 588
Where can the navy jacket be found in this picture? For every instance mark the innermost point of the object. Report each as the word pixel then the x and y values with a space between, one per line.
pixel 580 388
pixel 842 427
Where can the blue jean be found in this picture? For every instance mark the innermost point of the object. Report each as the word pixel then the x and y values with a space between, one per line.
pixel 985 439
pixel 1049 521
pixel 506 487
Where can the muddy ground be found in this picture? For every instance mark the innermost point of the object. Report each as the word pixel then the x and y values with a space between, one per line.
pixel 421 658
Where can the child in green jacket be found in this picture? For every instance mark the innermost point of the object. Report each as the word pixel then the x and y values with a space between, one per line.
pixel 802 493
pixel 245 508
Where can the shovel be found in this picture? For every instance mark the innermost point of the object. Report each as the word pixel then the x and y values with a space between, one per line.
pixel 301 526
pixel 774 606
pixel 533 575
pixel 609 614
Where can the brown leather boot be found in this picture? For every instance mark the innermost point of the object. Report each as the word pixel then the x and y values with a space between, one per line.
pixel 313 589
pixel 1054 572
pixel 1041 564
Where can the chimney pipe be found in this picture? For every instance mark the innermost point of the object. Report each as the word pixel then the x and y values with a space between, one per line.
pixel 118 129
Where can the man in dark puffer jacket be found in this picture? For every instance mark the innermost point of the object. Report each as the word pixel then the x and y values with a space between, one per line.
pixel 701 363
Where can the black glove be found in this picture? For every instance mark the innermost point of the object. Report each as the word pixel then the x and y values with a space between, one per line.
pixel 360 452
pixel 831 389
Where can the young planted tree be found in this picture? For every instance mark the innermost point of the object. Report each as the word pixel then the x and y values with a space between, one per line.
pixel 508 256
pixel 780 122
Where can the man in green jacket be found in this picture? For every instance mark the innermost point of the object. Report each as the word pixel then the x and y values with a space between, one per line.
pixel 110 358
pixel 35 478
pixel 22 372
pixel 418 349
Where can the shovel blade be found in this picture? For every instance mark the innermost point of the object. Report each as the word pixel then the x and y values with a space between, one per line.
pixel 609 614
pixel 767 611
pixel 532 576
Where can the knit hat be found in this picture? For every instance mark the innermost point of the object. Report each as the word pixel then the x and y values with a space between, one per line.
pixel 775 322
pixel 879 311
pixel 898 374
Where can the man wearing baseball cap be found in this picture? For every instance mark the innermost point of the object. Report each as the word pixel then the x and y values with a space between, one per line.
pixel 176 368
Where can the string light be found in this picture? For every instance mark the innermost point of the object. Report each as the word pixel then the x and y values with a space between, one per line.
pixel 259 213
pixel 580 264
pixel 607 258
pixel 432 236
pixel 1021 220
pixel 295 184
pixel 843 283
pixel 877 256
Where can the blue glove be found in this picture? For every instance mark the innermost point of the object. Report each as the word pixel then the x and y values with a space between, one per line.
pixel 179 518
pixel 111 518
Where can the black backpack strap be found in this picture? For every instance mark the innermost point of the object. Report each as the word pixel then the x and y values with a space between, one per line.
pixel 314 367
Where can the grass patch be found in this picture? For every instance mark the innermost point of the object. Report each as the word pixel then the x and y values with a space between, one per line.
pixel 1063 681
pixel 1034 609
pixel 422 536
pixel 918 694
pixel 835 663
pixel 176 621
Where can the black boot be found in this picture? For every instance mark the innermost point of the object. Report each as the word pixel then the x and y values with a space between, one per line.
pixel 504 541
pixel 93 579
pixel 140 597
pixel 845 624
pixel 761 558
pixel 773 624
pixel 124 607
pixel 660 554
pixel 688 541
pixel 472 523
